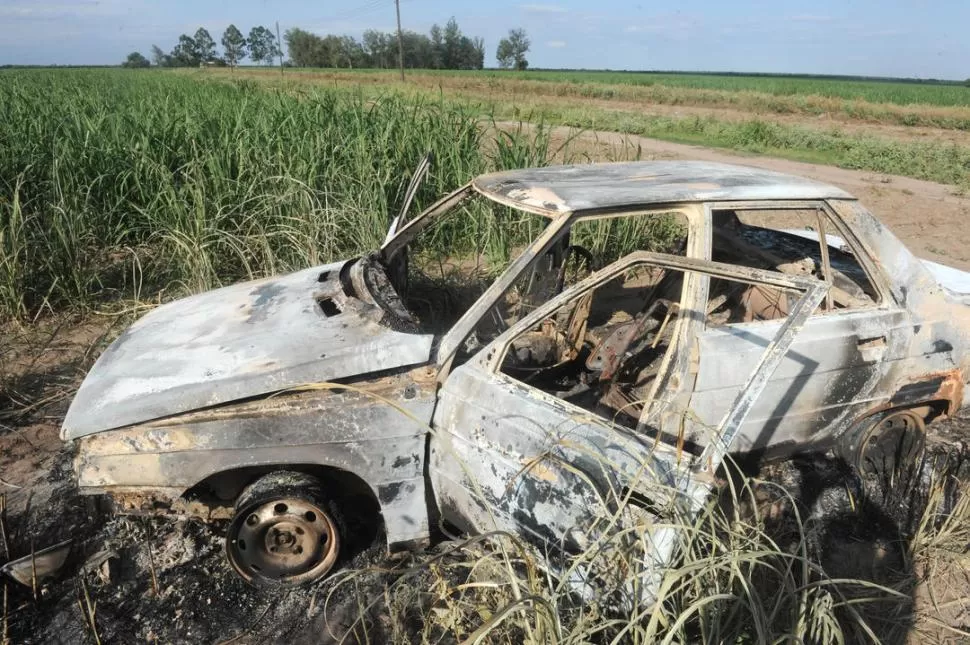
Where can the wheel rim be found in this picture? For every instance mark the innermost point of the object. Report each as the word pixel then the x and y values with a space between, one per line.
pixel 892 448
pixel 286 541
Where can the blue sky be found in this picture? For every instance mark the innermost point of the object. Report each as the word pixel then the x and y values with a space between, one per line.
pixel 874 37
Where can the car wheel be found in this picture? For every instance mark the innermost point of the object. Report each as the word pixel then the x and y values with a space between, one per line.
pixel 285 531
pixel 888 448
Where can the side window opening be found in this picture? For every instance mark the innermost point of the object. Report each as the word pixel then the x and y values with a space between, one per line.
pixel 607 239
pixel 616 351
pixel 588 246
pixel 603 350
pixel 789 241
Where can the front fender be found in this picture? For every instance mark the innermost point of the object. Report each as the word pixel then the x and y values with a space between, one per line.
pixel 376 430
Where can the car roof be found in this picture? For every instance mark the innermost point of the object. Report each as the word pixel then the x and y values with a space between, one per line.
pixel 597 187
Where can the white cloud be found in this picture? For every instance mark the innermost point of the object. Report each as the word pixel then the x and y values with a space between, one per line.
pixel 556 44
pixel 543 8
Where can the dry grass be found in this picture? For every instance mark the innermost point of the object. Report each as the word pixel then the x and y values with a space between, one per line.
pixel 743 575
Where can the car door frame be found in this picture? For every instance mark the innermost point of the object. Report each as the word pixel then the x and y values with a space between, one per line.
pixel 893 328
pixel 447 467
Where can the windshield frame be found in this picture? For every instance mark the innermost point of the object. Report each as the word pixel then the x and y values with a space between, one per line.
pixel 422 220
pixel 451 340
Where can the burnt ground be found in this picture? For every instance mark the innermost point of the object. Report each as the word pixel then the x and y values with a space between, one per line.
pixel 165 579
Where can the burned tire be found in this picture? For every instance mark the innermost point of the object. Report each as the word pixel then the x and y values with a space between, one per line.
pixel 888 449
pixel 285 532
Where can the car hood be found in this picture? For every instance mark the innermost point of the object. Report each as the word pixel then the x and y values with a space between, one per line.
pixel 955 281
pixel 237 342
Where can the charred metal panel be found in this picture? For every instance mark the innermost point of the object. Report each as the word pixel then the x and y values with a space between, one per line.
pixel 844 365
pixel 825 380
pixel 939 338
pixel 725 440
pixel 240 341
pixel 376 430
pixel 555 190
pixel 508 456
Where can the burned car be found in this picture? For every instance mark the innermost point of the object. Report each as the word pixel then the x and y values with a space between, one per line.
pixel 777 315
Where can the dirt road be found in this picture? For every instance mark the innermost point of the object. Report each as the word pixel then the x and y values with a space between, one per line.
pixel 930 218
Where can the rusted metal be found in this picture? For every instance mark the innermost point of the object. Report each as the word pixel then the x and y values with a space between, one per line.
pixel 556 230
pixel 282 533
pixel 145 501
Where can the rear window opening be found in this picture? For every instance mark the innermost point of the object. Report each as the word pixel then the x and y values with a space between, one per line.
pixel 788 241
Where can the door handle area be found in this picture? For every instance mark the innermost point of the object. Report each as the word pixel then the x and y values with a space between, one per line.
pixel 872 349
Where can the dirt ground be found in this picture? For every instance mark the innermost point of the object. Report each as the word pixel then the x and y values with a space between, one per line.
pixel 164 579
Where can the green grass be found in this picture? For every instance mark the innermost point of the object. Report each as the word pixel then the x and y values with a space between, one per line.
pixel 120 184
pixel 944 94
pixel 906 104
pixel 874 91
pixel 932 159
pixel 140 185
pixel 929 160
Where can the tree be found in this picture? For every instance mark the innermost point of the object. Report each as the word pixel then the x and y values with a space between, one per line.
pixel 233 46
pixel 351 52
pixel 417 50
pixel 437 48
pixel 205 47
pixel 306 49
pixel 377 46
pixel 135 59
pixel 263 47
pixel 160 58
pixel 511 50
pixel 471 53
pixel 184 54
pixel 452 44
pixel 445 48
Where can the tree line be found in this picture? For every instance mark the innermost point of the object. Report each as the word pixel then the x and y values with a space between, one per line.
pixel 441 48
pixel 260 46
pixel 446 48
